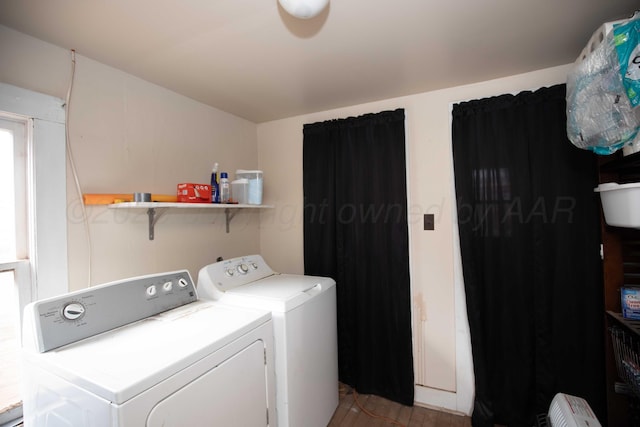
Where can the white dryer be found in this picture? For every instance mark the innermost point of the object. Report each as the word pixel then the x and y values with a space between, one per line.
pixel 146 352
pixel 305 332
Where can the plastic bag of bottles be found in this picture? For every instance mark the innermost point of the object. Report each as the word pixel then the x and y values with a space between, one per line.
pixel 600 116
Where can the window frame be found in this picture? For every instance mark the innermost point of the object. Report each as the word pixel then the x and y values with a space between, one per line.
pixel 47 188
pixel 45 271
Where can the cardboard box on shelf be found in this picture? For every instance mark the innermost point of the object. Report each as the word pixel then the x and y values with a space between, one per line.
pixel 194 193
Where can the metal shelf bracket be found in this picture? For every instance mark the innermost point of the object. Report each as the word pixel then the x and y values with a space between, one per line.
pixel 153 219
pixel 229 214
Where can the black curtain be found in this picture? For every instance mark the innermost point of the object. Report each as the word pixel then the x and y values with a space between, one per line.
pixel 355 230
pixel 529 236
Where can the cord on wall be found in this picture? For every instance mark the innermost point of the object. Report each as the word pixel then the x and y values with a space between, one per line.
pixel 85 218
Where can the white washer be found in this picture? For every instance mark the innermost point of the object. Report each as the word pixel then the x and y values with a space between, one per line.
pixel 305 332
pixel 146 352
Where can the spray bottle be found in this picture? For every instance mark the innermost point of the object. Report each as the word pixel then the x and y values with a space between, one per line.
pixel 215 188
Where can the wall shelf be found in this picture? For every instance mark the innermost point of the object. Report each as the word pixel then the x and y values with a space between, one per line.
pixel 619 266
pixel 155 210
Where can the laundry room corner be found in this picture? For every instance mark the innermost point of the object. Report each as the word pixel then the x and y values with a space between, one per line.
pixel 149 140
pixel 280 156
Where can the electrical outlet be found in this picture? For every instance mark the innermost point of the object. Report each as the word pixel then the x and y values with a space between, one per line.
pixel 429 222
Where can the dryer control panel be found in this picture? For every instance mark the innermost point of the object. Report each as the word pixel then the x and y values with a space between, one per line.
pixel 62 320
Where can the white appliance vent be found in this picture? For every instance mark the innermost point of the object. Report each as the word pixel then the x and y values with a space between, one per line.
pixel 571 411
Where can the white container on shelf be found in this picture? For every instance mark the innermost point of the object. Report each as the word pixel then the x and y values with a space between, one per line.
pixel 255 185
pixel 240 191
pixel 620 203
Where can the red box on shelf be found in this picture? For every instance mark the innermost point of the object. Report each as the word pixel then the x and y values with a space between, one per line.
pixel 194 193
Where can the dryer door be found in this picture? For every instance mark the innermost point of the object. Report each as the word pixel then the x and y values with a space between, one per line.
pixel 234 393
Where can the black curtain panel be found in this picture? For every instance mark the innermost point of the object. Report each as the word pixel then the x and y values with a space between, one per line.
pixel 355 230
pixel 530 240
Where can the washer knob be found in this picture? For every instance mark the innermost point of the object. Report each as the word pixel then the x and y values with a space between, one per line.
pixel 73 311
pixel 243 269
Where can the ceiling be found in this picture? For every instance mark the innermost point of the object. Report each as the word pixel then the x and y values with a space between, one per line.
pixel 251 59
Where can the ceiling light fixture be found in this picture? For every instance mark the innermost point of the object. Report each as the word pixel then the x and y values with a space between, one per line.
pixel 303 9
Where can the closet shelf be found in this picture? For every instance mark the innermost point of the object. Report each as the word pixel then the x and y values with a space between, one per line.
pixel 156 209
pixel 625 337
pixel 631 325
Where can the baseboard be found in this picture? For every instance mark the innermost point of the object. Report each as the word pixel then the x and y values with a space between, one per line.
pixel 438 399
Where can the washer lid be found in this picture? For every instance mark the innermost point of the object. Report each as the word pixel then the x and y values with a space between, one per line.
pixel 279 292
pixel 120 364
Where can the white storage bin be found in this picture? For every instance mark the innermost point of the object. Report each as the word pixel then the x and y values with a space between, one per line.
pixel 620 203
pixel 240 191
pixel 255 185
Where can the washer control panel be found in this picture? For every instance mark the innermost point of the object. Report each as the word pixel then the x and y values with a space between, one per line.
pixel 78 315
pixel 243 267
pixel 238 271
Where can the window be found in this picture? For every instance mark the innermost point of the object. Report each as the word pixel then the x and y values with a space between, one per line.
pixel 494 205
pixel 12 183
pixel 33 243
pixel 13 253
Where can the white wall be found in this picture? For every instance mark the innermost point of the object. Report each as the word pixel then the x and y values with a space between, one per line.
pixel 128 135
pixel 444 375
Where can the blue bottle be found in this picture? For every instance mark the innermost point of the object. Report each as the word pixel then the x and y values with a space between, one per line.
pixel 215 187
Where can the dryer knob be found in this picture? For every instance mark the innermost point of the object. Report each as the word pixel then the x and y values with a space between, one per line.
pixel 243 269
pixel 73 311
